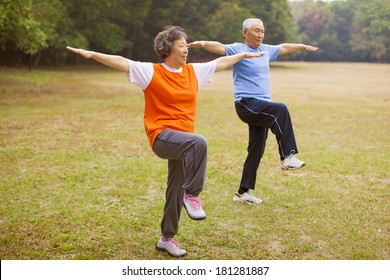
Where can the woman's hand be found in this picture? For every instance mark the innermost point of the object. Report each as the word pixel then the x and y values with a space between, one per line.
pixel 253 54
pixel 83 53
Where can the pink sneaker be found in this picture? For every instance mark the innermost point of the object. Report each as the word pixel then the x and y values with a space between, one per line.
pixel 171 247
pixel 193 207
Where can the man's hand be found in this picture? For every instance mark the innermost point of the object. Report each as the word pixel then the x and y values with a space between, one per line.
pixel 309 48
pixel 83 53
pixel 210 46
pixel 196 44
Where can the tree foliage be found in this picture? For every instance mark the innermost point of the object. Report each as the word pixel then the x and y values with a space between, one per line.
pixel 372 29
pixel 350 30
pixel 19 29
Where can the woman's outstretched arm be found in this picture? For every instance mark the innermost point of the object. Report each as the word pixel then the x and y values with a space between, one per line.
pixel 114 61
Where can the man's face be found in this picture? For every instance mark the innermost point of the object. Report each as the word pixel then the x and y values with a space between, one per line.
pixel 255 35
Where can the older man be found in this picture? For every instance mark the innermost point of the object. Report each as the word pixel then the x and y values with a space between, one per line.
pixel 252 96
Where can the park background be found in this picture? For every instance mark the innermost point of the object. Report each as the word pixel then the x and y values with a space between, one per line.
pixel 36 32
pixel 79 181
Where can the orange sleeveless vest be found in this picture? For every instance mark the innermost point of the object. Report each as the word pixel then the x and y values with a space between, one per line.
pixel 170 101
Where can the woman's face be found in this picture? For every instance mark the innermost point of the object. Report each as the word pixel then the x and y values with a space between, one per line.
pixel 179 53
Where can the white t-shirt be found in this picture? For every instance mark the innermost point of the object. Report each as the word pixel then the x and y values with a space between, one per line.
pixel 141 73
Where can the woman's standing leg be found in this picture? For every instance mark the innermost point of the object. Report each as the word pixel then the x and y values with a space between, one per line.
pixel 187 160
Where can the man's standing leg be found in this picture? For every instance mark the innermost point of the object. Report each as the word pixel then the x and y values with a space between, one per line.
pixel 256 146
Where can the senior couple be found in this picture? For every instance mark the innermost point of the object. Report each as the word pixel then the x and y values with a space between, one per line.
pixel 170 91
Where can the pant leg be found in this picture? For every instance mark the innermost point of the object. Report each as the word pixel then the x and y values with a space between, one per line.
pixel 187 161
pixel 256 146
pixel 272 115
pixel 173 198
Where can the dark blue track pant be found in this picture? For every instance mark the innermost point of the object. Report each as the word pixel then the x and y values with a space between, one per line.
pixel 260 116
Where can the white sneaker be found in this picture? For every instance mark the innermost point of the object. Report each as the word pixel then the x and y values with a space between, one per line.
pixel 247 198
pixel 291 163
pixel 171 247
pixel 194 208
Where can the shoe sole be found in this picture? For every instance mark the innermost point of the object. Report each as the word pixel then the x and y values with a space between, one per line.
pixel 192 217
pixel 246 202
pixel 292 168
pixel 166 251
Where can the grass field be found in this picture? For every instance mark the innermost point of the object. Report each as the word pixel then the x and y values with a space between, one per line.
pixel 78 179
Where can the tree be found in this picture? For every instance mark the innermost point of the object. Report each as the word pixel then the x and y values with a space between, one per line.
pixel 276 16
pixel 58 27
pixel 19 30
pixel 107 26
pixel 219 20
pixel 93 20
pixel 339 48
pixel 353 30
pixel 371 34
pixel 226 24
pixel 161 13
pixel 130 14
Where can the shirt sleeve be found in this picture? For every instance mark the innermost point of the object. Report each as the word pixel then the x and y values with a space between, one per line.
pixel 232 49
pixel 204 72
pixel 271 50
pixel 141 73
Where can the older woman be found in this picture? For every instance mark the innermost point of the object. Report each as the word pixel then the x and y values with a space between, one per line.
pixel 170 91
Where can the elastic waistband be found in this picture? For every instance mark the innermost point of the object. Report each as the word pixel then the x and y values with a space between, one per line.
pixel 243 100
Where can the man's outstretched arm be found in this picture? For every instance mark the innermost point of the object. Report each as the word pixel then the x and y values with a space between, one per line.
pixel 210 46
pixel 287 48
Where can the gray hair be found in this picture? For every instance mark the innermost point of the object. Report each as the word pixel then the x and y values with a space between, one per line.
pixel 247 24
pixel 163 42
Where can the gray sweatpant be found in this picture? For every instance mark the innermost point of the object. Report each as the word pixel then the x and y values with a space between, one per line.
pixel 187 160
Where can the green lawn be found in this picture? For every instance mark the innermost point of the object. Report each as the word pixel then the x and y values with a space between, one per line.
pixel 78 179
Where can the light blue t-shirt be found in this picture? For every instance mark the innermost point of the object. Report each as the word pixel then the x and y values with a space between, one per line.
pixel 251 76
